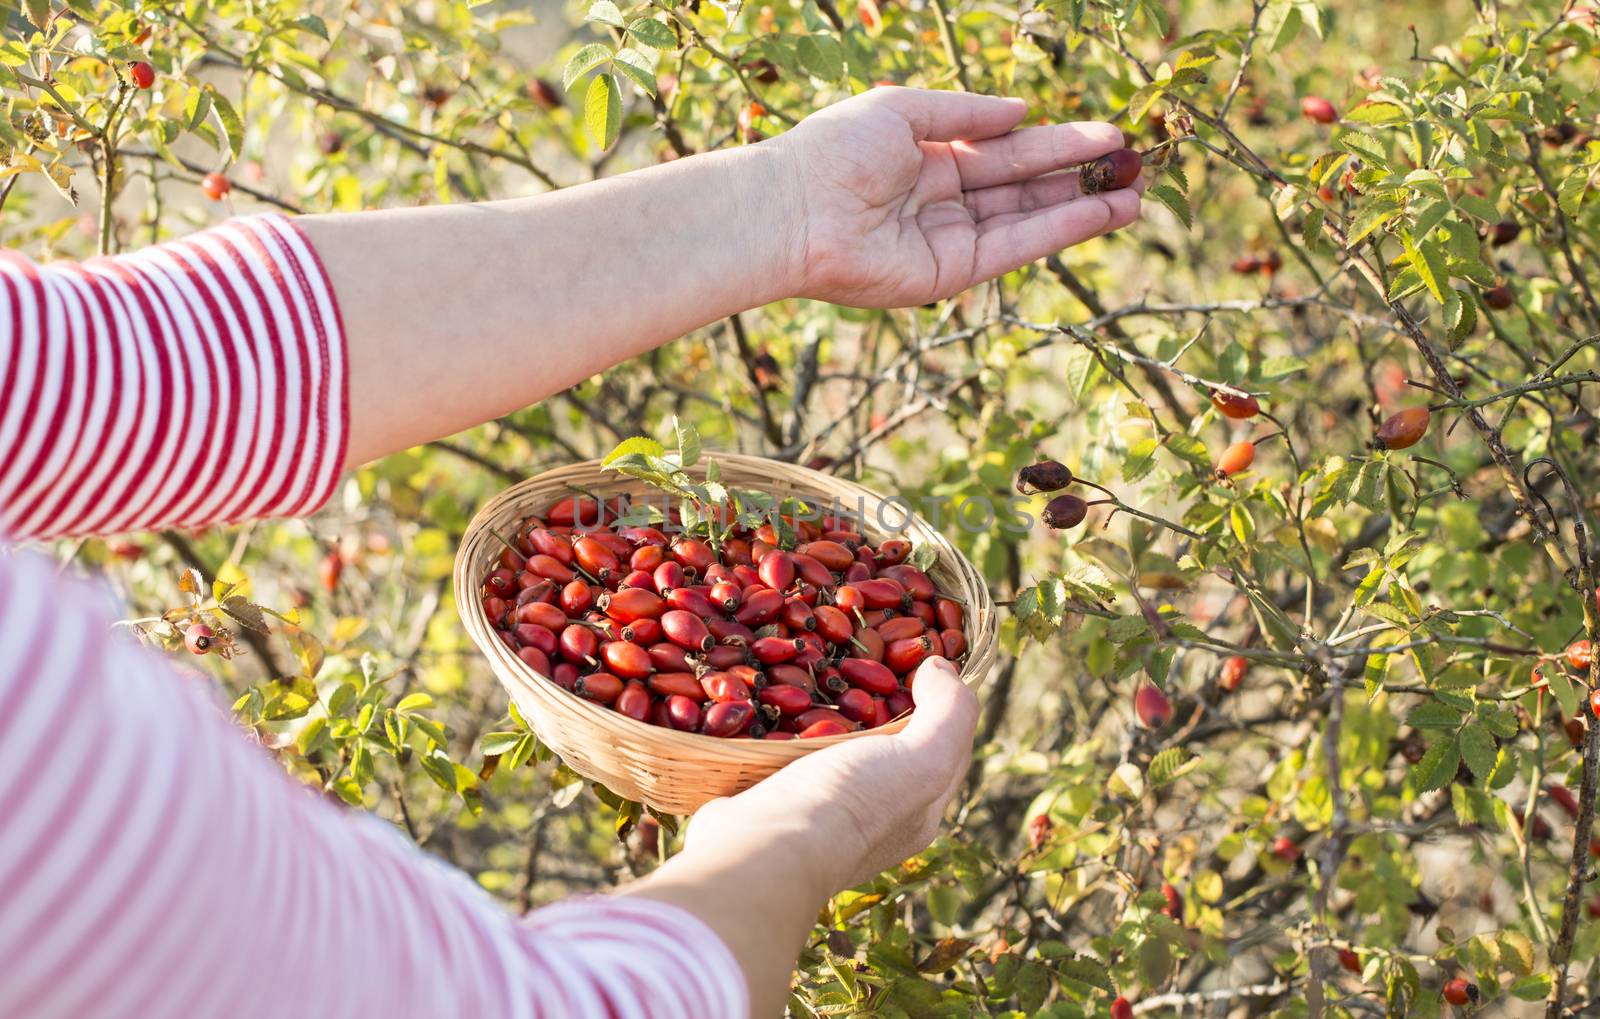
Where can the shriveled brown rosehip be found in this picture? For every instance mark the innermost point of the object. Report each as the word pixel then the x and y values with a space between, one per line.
pixel 1064 511
pixel 1504 232
pixel 1111 172
pixel 1318 109
pixel 1151 706
pixel 1499 297
pixel 1232 405
pixel 1404 428
pixel 544 93
pixel 1044 476
pixel 1236 458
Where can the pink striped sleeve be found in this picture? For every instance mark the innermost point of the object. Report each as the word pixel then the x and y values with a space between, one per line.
pixel 152 863
pixel 197 382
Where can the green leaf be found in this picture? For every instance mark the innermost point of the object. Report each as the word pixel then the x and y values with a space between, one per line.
pixel 1189 448
pixel 313 24
pixel 1438 765
pixel 653 33
pixel 604 12
pixel 584 61
pixel 1572 191
pixel 688 443
pixel 821 56
pixel 1083 970
pixel 602 110
pixel 414 702
pixel 1368 220
pixel 1479 208
pixel 638 68
pixel 1532 988
pixel 1427 260
pixel 1375 114
pixel 496 743
pixel 38 12
pixel 638 445
pixel 1280 23
pixel 1140 459
pixel 1173 199
pixel 232 126
pixel 1478 749
pixel 1433 715
pixel 197 108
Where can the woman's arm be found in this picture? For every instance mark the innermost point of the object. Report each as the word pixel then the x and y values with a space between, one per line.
pixel 457 314
pixel 152 863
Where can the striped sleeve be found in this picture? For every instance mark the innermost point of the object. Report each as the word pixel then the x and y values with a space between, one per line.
pixel 152 863
pixel 192 383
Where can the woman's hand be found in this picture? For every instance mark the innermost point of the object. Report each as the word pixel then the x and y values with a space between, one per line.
pixel 757 867
pixel 854 810
pixel 908 196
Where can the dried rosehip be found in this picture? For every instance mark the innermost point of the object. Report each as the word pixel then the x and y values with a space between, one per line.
pixel 1111 172
pixel 1065 511
pixel 1044 476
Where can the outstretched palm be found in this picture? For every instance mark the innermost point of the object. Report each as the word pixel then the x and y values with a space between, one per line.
pixel 911 196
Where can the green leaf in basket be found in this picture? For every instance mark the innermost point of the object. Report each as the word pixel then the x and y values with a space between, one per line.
pixel 637 444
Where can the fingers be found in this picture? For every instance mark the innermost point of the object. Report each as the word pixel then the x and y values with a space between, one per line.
pixel 1028 153
pixel 1011 240
pixel 947 116
pixel 1027 196
pixel 947 712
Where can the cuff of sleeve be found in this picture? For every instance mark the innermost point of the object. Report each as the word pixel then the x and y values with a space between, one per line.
pixel 655 951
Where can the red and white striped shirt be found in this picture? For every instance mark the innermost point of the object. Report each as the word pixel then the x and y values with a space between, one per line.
pixel 152 863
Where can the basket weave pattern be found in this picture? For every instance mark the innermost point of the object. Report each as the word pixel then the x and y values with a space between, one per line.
pixel 674 771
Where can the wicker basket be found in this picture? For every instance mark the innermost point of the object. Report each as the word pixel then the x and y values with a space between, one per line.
pixel 674 771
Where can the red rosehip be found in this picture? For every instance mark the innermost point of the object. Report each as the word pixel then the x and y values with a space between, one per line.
pixel 1233 672
pixel 200 638
pixel 1285 849
pixel 1404 428
pixel 215 186
pixel 1232 405
pixel 141 74
pixel 1120 1009
pixel 1318 109
pixel 1236 458
pixel 1499 297
pixel 1350 960
pixel 1152 707
pixel 332 566
pixel 1579 655
pixel 1459 991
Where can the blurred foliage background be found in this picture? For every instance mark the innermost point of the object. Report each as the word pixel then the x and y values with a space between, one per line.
pixel 1339 828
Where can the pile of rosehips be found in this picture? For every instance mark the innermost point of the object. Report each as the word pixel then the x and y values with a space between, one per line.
pixel 744 638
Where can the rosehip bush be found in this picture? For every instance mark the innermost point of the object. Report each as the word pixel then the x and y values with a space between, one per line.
pixel 1369 257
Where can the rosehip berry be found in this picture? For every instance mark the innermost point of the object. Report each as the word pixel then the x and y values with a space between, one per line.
pixel 728 718
pixel 871 676
pixel 1593 908
pixel 1285 849
pixel 332 566
pixel 200 639
pixel 1459 991
pixel 826 727
pixel 1318 109
pixel 1174 906
pixel 687 630
pixel 1121 1009
pixel 1579 655
pixel 215 186
pixel 1574 727
pixel 1236 458
pixel 1247 265
pixel 1271 262
pixel 634 701
pixel 1404 428
pixel 1044 476
pixel 1499 297
pixel 544 93
pixel 1350 960
pixel 1233 672
pixel 1232 405
pixel 1064 511
pixel 1111 172
pixel 141 74
pixel 1563 796
pixel 1151 706
pixel 1504 232
pixel 600 687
